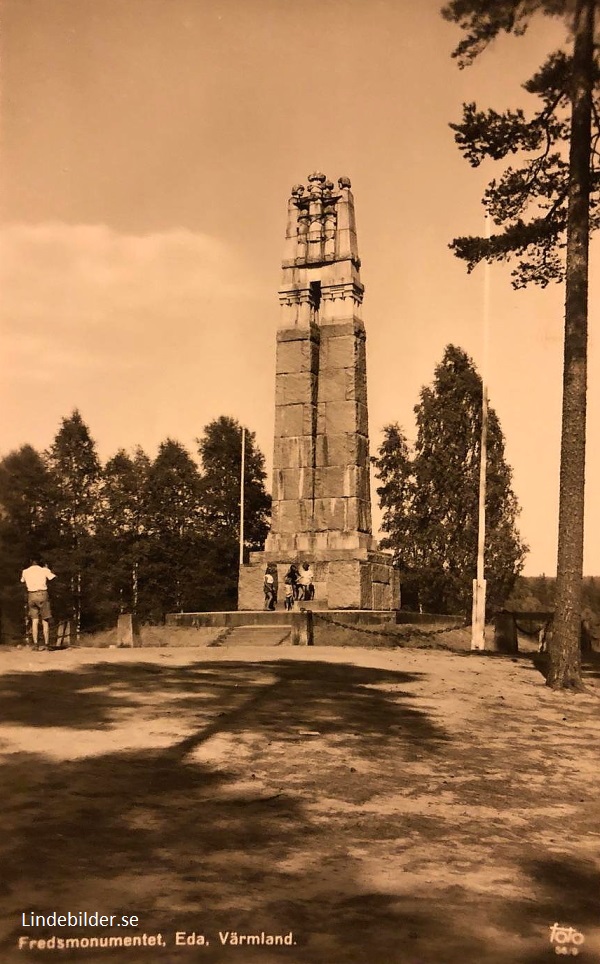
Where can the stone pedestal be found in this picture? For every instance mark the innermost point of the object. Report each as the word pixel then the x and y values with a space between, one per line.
pixel 128 630
pixel 344 582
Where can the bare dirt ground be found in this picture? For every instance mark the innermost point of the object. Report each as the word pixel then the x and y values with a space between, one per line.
pixel 378 805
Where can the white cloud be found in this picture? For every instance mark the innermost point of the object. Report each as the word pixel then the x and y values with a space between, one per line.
pixel 147 335
pixel 86 297
pixel 69 282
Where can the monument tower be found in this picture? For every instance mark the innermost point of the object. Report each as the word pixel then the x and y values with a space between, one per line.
pixel 321 480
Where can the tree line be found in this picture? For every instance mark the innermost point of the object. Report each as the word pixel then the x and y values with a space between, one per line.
pixel 136 534
pixel 157 536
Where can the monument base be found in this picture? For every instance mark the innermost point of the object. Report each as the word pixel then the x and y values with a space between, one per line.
pixel 350 580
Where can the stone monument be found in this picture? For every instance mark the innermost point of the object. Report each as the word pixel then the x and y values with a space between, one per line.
pixel 321 478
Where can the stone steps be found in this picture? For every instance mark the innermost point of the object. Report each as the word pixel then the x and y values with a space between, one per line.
pixel 255 636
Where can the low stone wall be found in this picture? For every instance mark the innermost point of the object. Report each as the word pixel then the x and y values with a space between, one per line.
pixel 230 620
pixel 154 636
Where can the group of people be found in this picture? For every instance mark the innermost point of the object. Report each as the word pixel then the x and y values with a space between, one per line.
pixel 298 585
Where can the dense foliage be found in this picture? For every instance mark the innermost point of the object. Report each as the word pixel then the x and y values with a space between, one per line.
pixel 137 535
pixel 430 498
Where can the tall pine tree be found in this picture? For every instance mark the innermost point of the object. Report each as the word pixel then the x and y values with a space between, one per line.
pixel 220 449
pixel 171 578
pixel 123 527
pixel 431 501
pixel 76 473
pixel 545 207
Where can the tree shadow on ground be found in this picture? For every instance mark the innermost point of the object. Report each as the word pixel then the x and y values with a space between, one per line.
pixel 282 698
pixel 191 843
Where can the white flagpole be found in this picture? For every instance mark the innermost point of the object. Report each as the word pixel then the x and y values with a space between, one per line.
pixel 479 584
pixel 242 496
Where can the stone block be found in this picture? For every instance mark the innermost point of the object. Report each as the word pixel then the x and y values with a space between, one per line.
pixel 345 588
pixel 276 543
pixel 304 542
pixel 250 587
pixel 339 272
pixel 294 420
pixel 382 595
pixel 357 483
pixel 365 523
pixel 293 483
pixel 362 418
pixel 335 481
pixel 357 515
pixel 330 482
pixel 342 384
pixel 329 514
pixel 357 388
pixel 321 591
pixel 295 452
pixel 340 327
pixel 337 351
pixel 296 387
pixel 295 516
pixel 320 540
pixel 342 449
pixel 396 588
pixel 336 384
pixel 297 333
pixel 356 544
pixel 380 573
pixel 366 586
pixel 336 418
pixel 297 356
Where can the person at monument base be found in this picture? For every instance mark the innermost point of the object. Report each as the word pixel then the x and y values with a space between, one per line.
pixel 291 587
pixel 306 589
pixel 270 587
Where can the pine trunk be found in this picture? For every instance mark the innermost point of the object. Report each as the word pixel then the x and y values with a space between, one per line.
pixel 564 651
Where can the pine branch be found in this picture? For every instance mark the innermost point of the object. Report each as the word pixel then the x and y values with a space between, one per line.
pixel 488 134
pixel 483 21
pixel 536 239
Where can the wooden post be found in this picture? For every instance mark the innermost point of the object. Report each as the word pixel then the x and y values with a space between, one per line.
pixel 479 587
pixel 505 633
pixel 242 497
pixel 302 628
pixel 310 627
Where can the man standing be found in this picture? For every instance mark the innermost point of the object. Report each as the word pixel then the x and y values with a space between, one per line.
pixel 36 578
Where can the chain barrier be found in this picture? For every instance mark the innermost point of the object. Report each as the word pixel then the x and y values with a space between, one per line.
pixel 535 632
pixel 411 628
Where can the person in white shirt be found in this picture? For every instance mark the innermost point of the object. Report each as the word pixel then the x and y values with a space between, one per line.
pixel 305 582
pixel 36 579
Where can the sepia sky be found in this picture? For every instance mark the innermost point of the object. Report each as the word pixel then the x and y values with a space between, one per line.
pixel 148 151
